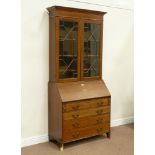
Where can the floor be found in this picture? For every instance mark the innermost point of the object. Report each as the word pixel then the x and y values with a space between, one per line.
pixel 121 143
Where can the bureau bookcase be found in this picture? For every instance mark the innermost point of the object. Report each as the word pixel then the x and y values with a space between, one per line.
pixel 79 101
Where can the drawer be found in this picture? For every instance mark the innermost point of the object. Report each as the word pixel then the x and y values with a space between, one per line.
pixel 85 104
pixel 85 132
pixel 86 121
pixel 86 112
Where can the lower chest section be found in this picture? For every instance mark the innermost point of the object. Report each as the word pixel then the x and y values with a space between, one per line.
pixel 85 118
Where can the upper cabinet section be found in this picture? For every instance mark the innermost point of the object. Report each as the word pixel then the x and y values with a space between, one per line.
pixel 75 44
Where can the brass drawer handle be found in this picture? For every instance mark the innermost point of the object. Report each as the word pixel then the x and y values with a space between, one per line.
pixel 99 104
pixel 75 116
pixel 100 121
pixel 99 130
pixel 75 135
pixel 76 125
pixel 75 107
pixel 99 112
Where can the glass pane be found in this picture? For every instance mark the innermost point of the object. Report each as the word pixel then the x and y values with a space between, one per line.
pixel 68 45
pixel 91 50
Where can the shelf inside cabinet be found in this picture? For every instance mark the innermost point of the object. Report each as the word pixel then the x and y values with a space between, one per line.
pixel 91 55
pixel 62 39
pixel 91 41
pixel 68 55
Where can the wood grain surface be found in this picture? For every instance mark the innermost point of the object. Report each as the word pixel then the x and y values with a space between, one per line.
pixel 85 132
pixel 85 122
pixel 81 90
pixel 85 104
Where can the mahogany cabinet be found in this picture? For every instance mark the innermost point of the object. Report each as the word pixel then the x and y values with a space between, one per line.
pixel 79 101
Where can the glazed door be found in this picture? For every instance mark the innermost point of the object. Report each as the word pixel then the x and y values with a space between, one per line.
pixel 91 50
pixel 68 50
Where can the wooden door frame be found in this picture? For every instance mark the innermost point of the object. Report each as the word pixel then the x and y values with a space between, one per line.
pixel 99 22
pixel 57 49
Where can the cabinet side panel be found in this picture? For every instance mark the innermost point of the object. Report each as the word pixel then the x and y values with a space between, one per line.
pixel 52 54
pixel 54 113
pixel 110 111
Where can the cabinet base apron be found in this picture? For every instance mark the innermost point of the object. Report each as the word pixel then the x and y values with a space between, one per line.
pixel 61 145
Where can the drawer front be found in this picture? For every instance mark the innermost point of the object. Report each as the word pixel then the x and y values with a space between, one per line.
pixel 85 104
pixel 85 132
pixel 87 112
pixel 83 122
